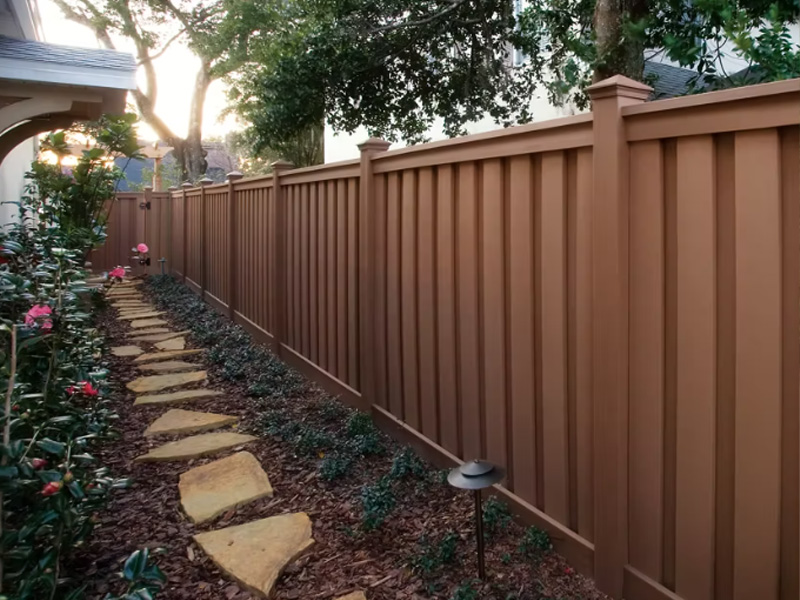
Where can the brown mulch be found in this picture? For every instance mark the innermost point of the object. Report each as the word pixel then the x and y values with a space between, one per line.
pixel 344 558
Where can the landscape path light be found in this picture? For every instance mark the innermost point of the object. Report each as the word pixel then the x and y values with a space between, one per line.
pixel 477 475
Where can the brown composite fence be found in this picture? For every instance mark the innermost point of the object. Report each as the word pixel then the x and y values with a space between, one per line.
pixel 608 305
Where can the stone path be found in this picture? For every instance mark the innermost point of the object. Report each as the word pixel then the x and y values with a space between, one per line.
pixel 256 553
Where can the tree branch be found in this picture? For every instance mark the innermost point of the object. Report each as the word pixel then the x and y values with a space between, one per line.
pixel 163 49
pixel 455 4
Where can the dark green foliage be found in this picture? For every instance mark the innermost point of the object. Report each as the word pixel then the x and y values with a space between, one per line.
pixel 535 542
pixel 396 66
pixel 143 579
pixel 496 516
pixel 466 591
pixel 311 441
pixel 229 346
pixel 432 556
pixel 363 438
pixel 334 466
pixel 378 501
pixel 331 409
pixel 406 462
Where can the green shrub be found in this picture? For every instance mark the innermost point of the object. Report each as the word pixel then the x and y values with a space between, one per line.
pixel 335 466
pixel 406 462
pixel 534 542
pixel 496 516
pixel 465 591
pixel 143 579
pixel 433 556
pixel 56 408
pixel 378 501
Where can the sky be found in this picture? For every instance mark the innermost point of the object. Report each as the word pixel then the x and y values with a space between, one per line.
pixel 176 70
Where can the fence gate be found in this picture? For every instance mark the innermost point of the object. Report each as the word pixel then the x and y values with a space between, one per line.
pixel 126 228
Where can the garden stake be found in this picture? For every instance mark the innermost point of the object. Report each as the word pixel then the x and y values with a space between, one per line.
pixel 162 260
pixel 477 475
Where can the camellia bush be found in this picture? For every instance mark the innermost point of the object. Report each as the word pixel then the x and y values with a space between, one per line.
pixel 55 410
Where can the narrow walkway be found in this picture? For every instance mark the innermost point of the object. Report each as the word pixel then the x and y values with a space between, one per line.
pixel 253 554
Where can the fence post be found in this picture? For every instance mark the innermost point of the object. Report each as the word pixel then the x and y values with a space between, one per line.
pixel 148 203
pixel 366 268
pixel 203 245
pixel 278 284
pixel 233 234
pixel 185 186
pixel 610 326
pixel 171 227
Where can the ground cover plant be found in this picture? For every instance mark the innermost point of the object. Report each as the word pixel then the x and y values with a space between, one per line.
pixel 384 521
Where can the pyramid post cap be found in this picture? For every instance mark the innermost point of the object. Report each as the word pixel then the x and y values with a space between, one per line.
pixel 376 144
pixel 282 165
pixel 619 85
pixel 234 175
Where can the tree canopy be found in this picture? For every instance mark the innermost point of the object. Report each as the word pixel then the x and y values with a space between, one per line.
pixel 398 66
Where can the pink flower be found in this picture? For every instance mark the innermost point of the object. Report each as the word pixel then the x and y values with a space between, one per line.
pixel 39 463
pixel 142 248
pixel 119 273
pixel 38 311
pixel 52 488
pixel 88 390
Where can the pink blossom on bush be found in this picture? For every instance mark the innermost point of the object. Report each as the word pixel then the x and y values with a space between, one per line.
pixel 39 310
pixel 142 248
pixel 52 488
pixel 119 273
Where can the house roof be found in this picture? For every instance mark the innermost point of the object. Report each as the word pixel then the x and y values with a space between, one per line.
pixel 40 62
pixel 668 81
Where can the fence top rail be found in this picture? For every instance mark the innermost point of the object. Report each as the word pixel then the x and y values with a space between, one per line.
pixel 789 86
pixel 753 107
pixel 326 172
pixel 555 134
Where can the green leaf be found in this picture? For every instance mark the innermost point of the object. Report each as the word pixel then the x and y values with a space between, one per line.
pixel 135 565
pixel 52 446
pixel 9 472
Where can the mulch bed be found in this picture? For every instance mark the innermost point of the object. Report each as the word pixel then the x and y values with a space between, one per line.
pixel 344 558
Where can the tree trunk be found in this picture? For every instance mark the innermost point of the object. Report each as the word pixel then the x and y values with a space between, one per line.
pixel 195 164
pixel 616 54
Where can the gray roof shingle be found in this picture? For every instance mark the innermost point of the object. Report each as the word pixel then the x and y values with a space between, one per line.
pixel 66 55
pixel 668 81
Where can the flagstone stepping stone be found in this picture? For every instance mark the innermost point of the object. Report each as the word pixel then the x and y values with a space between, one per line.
pixel 165 355
pixel 148 323
pixel 196 446
pixel 134 308
pixel 141 315
pixel 255 554
pixel 210 490
pixel 153 383
pixel 178 343
pixel 170 366
pixel 188 421
pixel 176 397
pixel 353 596
pixel 135 335
pixel 125 295
pixel 126 351
pixel 159 337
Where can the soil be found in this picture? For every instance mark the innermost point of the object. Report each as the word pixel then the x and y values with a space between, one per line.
pixel 344 558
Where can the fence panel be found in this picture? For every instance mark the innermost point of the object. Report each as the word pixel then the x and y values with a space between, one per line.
pixel 482 298
pixel 193 243
pixel 217 247
pixel 126 228
pixel 714 402
pixel 255 213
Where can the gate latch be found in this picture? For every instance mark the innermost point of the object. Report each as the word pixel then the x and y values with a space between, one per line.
pixel 145 205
